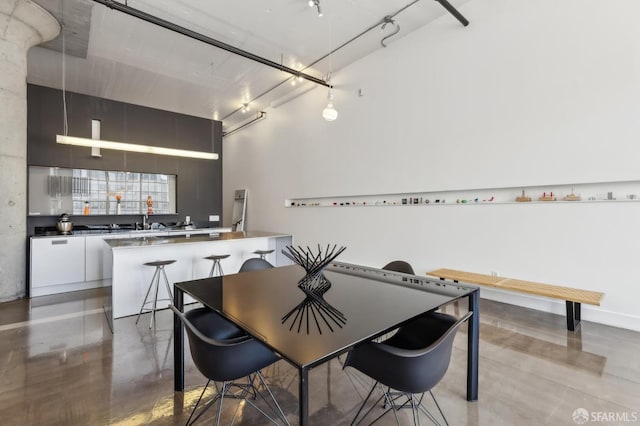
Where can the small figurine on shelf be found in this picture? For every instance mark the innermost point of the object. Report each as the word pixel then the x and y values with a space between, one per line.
pixel 572 197
pixel 149 205
pixel 547 197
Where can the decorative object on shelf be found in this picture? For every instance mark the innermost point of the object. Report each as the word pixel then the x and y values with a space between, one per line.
pixel 579 192
pixel 314 285
pixel 572 197
pixel 547 197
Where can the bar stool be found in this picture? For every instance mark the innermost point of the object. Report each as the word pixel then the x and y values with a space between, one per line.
pixel 263 253
pixel 216 264
pixel 155 283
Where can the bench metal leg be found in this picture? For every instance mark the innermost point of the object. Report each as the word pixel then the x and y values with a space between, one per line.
pixel 573 315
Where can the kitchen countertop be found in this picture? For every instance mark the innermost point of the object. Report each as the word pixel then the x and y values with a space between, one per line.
pixel 179 238
pixel 115 231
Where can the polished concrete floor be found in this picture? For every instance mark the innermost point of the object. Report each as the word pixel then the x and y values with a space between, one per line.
pixel 60 365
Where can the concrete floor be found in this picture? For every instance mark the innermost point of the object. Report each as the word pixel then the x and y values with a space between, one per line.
pixel 60 365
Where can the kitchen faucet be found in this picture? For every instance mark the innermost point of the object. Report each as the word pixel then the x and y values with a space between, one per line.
pixel 145 221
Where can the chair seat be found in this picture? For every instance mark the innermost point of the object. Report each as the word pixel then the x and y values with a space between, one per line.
pixel 217 256
pixel 261 252
pixel 160 262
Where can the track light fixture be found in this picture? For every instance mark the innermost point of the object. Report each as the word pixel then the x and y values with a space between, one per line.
pixel 316 4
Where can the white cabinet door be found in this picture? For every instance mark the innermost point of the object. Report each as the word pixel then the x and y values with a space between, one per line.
pixel 97 265
pixel 58 260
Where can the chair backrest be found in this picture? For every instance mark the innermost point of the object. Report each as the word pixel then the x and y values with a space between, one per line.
pixel 255 264
pixel 416 358
pixel 399 266
pixel 220 350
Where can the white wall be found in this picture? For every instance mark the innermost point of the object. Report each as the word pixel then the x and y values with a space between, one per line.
pixel 531 93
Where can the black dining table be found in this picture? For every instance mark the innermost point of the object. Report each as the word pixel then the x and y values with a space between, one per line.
pixel 352 304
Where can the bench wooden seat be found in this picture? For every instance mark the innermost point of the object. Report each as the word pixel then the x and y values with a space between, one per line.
pixel 572 296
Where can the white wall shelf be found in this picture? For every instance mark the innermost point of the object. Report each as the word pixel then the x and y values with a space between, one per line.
pixel 604 192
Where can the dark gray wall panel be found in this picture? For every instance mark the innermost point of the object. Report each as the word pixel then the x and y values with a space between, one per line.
pixel 199 181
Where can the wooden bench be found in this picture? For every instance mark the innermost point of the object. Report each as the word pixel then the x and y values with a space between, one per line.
pixel 572 296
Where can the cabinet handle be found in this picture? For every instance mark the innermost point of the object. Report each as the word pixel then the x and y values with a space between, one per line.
pixel 56 242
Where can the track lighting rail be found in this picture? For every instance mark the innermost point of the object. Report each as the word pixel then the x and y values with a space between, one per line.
pixel 382 21
pixel 260 116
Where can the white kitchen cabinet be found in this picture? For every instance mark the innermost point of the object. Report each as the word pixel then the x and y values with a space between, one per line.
pixel 97 265
pixel 57 260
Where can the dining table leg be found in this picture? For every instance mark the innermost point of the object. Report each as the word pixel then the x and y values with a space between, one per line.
pixel 303 397
pixel 473 346
pixel 178 342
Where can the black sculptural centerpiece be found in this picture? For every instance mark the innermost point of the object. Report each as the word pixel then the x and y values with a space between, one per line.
pixel 314 284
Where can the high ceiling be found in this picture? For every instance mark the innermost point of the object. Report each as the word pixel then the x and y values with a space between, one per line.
pixel 113 55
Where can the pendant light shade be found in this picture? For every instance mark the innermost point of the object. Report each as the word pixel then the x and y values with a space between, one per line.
pixel 329 113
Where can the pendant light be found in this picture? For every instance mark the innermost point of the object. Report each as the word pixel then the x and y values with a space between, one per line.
pixel 329 113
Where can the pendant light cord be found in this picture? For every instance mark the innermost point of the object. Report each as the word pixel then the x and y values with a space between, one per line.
pixel 65 123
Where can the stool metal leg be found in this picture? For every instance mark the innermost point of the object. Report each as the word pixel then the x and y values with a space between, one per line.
pixel 217 266
pixel 147 295
pixel 155 285
pixel 166 282
pixel 152 323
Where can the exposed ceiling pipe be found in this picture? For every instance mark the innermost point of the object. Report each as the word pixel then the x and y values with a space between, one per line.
pixel 205 39
pixel 452 10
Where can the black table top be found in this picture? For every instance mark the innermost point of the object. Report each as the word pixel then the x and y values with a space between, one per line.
pixel 361 304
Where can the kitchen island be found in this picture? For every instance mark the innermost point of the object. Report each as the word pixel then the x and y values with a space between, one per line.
pixel 130 278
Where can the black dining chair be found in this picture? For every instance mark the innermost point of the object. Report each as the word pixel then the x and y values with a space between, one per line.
pixel 255 264
pixel 408 364
pixel 399 266
pixel 224 353
pixel 396 266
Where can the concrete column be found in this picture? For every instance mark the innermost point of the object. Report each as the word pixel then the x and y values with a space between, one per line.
pixel 23 24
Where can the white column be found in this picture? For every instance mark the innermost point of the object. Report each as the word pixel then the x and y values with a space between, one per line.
pixel 23 24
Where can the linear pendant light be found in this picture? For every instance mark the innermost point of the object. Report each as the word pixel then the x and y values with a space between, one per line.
pixel 120 146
